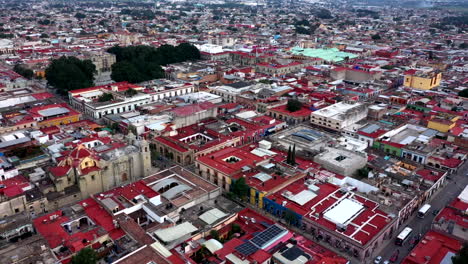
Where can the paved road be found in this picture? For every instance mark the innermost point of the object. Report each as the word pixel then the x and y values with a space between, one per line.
pixel 451 190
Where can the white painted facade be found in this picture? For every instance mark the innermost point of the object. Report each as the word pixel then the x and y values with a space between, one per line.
pixel 339 116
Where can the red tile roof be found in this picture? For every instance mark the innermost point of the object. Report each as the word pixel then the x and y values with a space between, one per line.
pixel 35 111
pixel 410 72
pixel 432 249
pixel 121 86
pixel 303 112
pixel 42 96
pixel 192 109
pixel 454 212
pixel 59 171
pixel 50 130
pixel 430 175
pixel 448 162
pixel 14 186
pixel 171 144
pixel 147 255
pixel 228 106
pixel 374 134
pixel 216 161
pixel 276 65
pixel 129 192
pixel 319 254
pixel 371 220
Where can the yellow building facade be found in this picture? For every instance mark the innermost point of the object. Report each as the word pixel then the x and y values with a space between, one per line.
pixel 423 82
pixel 60 120
pixel 443 124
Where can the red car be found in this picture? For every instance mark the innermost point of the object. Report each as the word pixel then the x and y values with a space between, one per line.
pixel 394 256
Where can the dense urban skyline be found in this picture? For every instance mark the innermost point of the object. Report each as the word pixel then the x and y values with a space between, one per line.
pixel 216 131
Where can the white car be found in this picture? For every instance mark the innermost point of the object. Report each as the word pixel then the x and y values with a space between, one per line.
pixel 377 260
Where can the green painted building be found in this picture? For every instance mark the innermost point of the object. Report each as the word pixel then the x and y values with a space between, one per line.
pixel 391 148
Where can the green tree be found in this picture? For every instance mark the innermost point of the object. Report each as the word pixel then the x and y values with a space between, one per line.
pixel 293 155
pixel 115 127
pixel 363 173
pixel 376 37
pixel 235 228
pixel 387 67
pixel 70 73
pixel 131 92
pixel 80 15
pixel 462 255
pixel 288 159
pixel 214 234
pixel 85 256
pixel 44 22
pixel 23 71
pixel 463 93
pixel 289 216
pixel 240 188
pixel 6 36
pixel 126 71
pixel 431 55
pixel 293 105
pixel 154 155
pixel 105 97
pixel 265 81
pixel 323 13
pixel 143 63
pixel 187 51
pixel 463 45
pixel 133 130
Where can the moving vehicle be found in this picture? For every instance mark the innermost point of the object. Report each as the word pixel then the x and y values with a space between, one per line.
pixel 423 211
pixel 403 236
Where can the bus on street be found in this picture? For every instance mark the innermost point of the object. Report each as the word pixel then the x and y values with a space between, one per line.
pixel 423 211
pixel 403 236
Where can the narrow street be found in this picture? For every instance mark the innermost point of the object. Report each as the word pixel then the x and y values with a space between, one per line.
pixel 420 226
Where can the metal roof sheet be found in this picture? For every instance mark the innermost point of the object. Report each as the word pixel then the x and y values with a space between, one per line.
pixel 53 111
pixel 175 232
pixel 212 216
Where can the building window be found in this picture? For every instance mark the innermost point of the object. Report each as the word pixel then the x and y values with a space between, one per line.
pixel 92 177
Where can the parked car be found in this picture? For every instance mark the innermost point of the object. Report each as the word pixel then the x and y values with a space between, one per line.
pixel 377 260
pixel 394 256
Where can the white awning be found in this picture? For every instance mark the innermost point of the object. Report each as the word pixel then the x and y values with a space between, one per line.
pixel 213 245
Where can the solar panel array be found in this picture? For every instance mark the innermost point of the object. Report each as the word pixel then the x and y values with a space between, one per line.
pixel 247 249
pixel 267 235
pixel 260 240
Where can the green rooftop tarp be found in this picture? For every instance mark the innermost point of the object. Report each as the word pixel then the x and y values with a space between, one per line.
pixel 331 54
